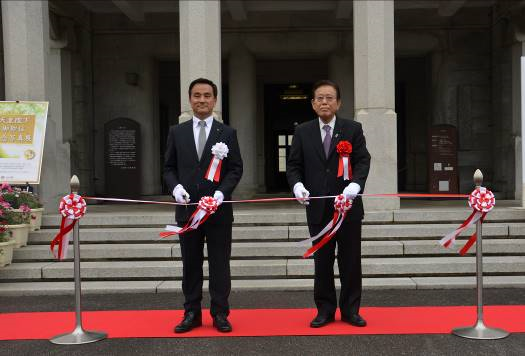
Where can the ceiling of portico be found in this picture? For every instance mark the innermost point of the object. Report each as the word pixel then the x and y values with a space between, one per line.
pixel 238 12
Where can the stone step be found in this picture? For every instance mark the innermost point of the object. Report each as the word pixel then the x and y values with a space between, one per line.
pixel 420 266
pixel 151 234
pixel 164 251
pixel 134 269
pixel 281 232
pixel 287 215
pixel 306 284
pixel 248 250
pixel 423 231
pixel 281 268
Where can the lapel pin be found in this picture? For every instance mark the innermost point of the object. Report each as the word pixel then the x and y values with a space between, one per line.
pixel 337 135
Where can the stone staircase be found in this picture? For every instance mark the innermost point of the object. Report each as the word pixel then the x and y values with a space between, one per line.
pixel 121 251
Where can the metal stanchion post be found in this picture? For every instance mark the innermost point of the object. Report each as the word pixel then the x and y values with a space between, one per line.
pixel 78 335
pixel 479 330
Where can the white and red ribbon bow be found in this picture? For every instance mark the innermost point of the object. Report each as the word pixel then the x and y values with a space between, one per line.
pixel 344 148
pixel 207 206
pixel 481 200
pixel 72 207
pixel 341 207
pixel 219 152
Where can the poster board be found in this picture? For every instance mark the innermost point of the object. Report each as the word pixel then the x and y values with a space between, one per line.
pixel 22 135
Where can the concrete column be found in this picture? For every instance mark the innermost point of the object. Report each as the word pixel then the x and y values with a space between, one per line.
pixel 242 101
pixel 520 167
pixel 341 67
pixel 375 95
pixel 200 48
pixel 29 75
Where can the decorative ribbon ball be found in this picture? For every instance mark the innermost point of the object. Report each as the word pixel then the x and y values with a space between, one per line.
pixel 72 206
pixel 344 148
pixel 482 200
pixel 220 150
pixel 341 204
pixel 208 204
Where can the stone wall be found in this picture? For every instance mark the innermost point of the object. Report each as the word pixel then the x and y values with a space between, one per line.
pixel 462 97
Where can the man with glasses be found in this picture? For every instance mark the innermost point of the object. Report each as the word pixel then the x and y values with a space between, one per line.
pixel 313 169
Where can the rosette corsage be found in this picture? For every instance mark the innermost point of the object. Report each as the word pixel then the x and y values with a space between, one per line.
pixel 219 152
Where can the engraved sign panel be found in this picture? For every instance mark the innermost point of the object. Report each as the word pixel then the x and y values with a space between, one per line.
pixel 122 161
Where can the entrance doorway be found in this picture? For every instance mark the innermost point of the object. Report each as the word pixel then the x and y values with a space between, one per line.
pixel 413 107
pixel 285 106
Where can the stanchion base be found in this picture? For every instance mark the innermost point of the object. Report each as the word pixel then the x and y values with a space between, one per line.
pixel 480 331
pixel 78 336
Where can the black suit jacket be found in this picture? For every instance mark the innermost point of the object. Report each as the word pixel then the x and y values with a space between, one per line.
pixel 182 166
pixel 308 164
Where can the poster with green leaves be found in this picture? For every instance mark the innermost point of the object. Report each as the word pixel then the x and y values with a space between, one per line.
pixel 22 134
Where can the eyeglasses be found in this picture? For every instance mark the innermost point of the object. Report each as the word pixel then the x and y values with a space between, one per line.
pixel 328 99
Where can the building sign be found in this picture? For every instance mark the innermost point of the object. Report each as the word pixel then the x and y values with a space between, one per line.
pixel 443 161
pixel 122 147
pixel 22 134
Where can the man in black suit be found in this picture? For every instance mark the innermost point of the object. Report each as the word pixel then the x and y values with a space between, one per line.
pixel 312 169
pixel 188 155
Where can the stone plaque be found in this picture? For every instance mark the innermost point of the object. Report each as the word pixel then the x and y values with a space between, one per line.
pixel 443 161
pixel 122 158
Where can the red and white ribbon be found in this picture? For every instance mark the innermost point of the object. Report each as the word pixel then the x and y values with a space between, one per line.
pixel 219 152
pixel 72 207
pixel 344 148
pixel 341 207
pixel 481 200
pixel 207 206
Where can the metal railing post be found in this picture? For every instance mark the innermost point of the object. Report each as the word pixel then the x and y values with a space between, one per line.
pixel 480 330
pixel 78 335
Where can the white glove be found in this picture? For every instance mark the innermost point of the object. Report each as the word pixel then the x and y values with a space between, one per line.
pixel 301 194
pixel 180 194
pixel 219 197
pixel 351 191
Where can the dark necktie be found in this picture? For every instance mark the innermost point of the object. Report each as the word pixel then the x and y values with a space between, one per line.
pixel 202 138
pixel 327 140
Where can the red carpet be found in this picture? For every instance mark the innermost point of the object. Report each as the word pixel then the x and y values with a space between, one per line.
pixel 260 322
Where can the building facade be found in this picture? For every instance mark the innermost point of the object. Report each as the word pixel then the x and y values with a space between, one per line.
pixel 406 68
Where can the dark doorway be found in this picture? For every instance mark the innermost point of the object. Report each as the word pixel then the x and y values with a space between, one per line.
pixel 285 106
pixel 169 105
pixel 413 109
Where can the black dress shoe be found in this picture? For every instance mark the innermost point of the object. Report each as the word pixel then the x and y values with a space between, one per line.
pixel 321 320
pixel 191 320
pixel 221 323
pixel 355 320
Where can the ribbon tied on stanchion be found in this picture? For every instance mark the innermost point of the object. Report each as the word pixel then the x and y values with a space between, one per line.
pixel 481 200
pixel 72 207
pixel 341 207
pixel 219 151
pixel 344 148
pixel 206 207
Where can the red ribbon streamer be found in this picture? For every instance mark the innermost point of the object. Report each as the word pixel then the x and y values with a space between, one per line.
pixel 72 207
pixel 64 230
pixel 472 240
pixel 207 206
pixel 341 206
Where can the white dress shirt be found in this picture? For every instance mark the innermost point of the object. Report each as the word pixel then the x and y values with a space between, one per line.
pixel 323 132
pixel 197 128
